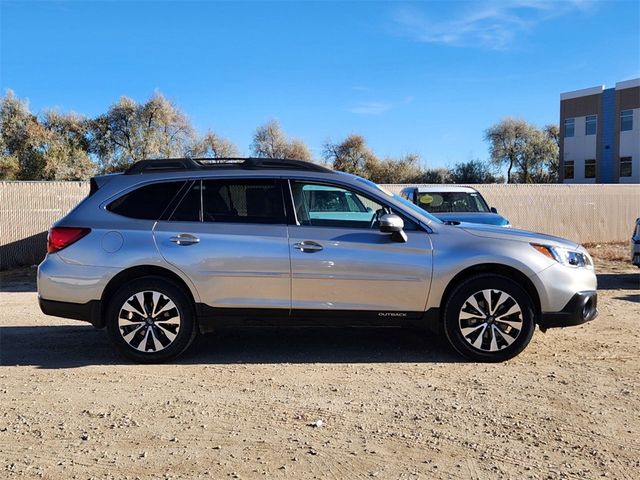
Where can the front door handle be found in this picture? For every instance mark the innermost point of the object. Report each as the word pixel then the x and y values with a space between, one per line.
pixel 307 246
pixel 185 239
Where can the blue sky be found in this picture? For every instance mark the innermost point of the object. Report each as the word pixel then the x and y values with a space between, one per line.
pixel 423 77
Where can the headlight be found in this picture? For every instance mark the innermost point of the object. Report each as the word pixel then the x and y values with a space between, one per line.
pixel 570 258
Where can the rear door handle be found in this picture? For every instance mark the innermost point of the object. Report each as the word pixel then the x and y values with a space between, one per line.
pixel 185 239
pixel 307 246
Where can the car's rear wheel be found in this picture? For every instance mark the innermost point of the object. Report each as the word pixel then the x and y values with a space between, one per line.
pixel 151 320
pixel 489 318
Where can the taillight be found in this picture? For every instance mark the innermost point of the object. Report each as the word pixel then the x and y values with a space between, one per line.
pixel 62 237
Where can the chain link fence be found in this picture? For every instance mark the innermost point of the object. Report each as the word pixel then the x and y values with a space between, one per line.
pixel 583 213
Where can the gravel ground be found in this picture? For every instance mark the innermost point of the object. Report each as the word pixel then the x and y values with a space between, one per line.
pixel 321 403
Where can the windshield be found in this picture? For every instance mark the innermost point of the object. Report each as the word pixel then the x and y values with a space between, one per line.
pixel 444 202
pixel 416 209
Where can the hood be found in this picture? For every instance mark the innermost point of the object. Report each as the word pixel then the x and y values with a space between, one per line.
pixel 473 217
pixel 516 235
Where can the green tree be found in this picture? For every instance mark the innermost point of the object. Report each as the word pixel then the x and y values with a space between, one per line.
pixel 9 164
pixel 473 171
pixel 353 155
pixel 23 139
pixel 405 169
pixel 66 149
pixel 436 175
pixel 270 141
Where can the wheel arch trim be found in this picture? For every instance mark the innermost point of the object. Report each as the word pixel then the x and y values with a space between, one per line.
pixel 494 269
pixel 139 271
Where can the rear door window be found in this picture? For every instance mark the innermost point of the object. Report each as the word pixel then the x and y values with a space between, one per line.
pixel 233 201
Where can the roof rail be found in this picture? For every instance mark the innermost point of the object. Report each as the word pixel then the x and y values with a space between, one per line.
pixel 160 165
pixel 177 164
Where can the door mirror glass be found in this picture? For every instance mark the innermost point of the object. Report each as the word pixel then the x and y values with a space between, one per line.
pixel 493 210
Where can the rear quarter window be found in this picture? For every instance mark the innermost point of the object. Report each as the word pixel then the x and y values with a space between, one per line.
pixel 147 202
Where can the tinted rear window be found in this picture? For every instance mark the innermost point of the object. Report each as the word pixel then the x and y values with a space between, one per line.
pixel 232 201
pixel 146 203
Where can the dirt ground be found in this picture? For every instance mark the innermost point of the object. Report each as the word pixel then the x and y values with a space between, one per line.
pixel 393 403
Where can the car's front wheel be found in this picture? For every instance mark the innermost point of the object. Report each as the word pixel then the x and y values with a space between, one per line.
pixel 151 320
pixel 489 318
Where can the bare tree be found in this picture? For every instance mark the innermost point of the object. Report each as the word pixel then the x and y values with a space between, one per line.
pixel 212 145
pixel 129 132
pixel 270 141
pixel 525 150
pixel 352 155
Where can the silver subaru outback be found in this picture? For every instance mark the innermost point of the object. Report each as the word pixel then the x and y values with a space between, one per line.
pixel 172 248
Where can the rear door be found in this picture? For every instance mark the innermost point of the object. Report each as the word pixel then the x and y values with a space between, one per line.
pixel 341 262
pixel 230 237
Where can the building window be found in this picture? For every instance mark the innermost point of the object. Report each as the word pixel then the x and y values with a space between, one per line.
pixel 590 124
pixel 625 167
pixel 626 120
pixel 569 127
pixel 568 170
pixel 590 168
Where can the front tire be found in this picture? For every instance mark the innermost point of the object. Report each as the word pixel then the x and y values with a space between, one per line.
pixel 151 320
pixel 489 318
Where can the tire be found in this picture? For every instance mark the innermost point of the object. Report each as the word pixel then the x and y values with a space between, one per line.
pixel 489 318
pixel 145 339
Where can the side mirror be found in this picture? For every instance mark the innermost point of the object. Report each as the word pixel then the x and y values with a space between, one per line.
pixel 493 210
pixel 393 224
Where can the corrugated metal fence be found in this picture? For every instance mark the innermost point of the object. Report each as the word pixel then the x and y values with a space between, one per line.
pixel 584 213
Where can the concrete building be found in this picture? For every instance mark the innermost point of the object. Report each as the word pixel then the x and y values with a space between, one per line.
pixel 600 134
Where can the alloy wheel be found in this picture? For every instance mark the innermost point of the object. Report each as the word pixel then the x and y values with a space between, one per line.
pixel 149 321
pixel 490 320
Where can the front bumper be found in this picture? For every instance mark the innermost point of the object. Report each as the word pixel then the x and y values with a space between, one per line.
pixel 582 308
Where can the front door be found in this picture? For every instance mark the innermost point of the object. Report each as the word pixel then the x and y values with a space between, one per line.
pixel 340 261
pixel 230 238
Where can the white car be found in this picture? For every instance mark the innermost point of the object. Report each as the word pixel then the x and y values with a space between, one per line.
pixel 455 204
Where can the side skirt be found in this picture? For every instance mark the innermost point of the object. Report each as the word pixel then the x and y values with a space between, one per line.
pixel 212 318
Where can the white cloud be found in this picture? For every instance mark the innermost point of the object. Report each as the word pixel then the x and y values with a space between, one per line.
pixel 370 108
pixel 377 107
pixel 492 25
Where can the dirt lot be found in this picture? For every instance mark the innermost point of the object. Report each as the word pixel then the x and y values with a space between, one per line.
pixel 393 403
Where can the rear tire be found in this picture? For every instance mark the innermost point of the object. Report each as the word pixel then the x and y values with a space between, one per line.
pixel 151 320
pixel 489 318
